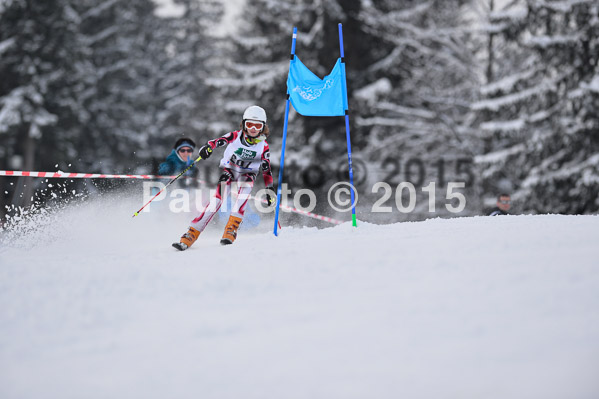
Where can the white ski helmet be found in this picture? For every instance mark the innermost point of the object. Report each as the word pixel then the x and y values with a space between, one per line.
pixel 255 113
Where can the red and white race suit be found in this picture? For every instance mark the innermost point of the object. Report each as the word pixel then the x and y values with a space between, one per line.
pixel 241 163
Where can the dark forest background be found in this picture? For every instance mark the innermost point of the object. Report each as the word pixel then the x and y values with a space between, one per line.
pixel 501 97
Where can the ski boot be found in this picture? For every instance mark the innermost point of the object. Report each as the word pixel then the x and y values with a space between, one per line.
pixel 187 239
pixel 230 230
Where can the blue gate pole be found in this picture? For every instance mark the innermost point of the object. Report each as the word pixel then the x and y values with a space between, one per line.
pixel 345 103
pixel 284 140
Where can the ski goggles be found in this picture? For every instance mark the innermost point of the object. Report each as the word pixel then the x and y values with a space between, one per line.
pixel 254 124
pixel 184 150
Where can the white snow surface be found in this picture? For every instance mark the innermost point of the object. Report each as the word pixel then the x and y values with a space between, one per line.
pixel 96 304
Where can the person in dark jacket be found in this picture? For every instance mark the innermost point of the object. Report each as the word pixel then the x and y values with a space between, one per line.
pixel 504 202
pixel 180 158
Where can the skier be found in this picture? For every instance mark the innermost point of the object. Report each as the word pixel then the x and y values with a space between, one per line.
pixel 246 154
pixel 503 205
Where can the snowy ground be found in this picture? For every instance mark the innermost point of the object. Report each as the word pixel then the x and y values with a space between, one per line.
pixel 98 305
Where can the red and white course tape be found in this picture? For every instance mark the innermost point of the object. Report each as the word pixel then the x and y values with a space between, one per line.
pixel 65 175
pixel 312 215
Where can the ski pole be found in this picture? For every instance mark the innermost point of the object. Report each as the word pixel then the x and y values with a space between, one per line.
pixel 168 184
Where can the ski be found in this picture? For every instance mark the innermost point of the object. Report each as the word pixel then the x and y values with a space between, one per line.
pixel 180 246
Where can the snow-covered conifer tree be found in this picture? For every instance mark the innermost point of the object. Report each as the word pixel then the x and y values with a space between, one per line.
pixel 539 117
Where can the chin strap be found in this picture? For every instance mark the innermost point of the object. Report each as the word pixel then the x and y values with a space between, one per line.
pixel 254 140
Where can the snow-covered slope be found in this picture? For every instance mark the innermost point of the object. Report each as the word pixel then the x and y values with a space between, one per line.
pixel 95 304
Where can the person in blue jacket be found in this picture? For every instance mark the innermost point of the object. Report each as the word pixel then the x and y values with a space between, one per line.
pixel 180 158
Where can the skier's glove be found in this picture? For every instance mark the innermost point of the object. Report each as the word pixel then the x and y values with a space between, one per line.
pixel 271 196
pixel 225 176
pixel 205 151
pixel 221 142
